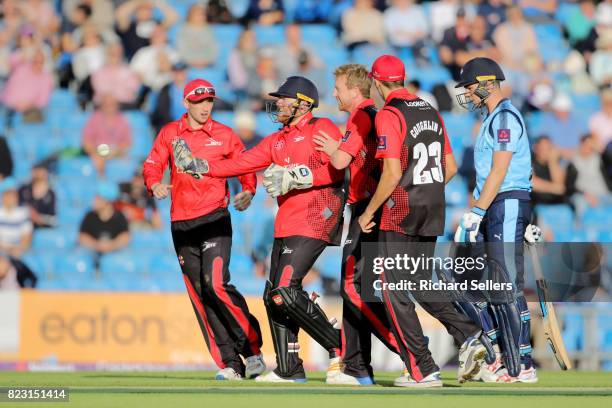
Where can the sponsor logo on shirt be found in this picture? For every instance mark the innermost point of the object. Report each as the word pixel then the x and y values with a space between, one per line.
pixel 279 144
pixel 382 142
pixel 213 142
pixel 287 250
pixel 181 260
pixel 346 136
pixel 503 136
pixel 298 139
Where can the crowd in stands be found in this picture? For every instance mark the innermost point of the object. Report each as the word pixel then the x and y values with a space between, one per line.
pixel 86 84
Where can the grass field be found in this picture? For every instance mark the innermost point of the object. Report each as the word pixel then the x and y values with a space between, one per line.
pixel 199 389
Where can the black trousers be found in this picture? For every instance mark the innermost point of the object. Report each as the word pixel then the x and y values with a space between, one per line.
pixel 203 248
pixel 292 258
pixel 360 319
pixel 401 309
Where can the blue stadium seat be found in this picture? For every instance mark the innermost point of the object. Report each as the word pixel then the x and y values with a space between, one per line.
pixel 54 238
pixel 71 215
pixel 76 264
pixel 432 76
pixel 330 262
pixel 241 267
pixel 586 104
pixel 565 10
pixel 598 218
pixel 227 118
pixel 559 216
pixel 63 99
pixel 76 167
pixel 228 35
pixel 41 262
pixel 264 124
pixel 128 264
pixel 571 235
pixel 269 35
pixel 459 127
pixel 164 264
pixel 120 170
pixel 318 35
pixel 213 75
pixel 366 54
pixel 149 240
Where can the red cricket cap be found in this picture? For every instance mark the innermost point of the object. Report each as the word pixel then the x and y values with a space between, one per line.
pixel 198 89
pixel 388 68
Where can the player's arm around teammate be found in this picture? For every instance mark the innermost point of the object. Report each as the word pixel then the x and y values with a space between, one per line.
pixel 202 232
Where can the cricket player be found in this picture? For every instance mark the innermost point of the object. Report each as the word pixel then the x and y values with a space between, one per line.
pixel 308 220
pixel 502 209
pixel 357 150
pixel 202 229
pixel 412 144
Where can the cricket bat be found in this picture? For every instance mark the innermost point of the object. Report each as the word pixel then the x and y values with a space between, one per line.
pixel 549 317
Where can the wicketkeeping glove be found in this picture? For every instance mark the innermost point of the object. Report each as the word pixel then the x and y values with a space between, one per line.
pixel 279 180
pixel 467 231
pixel 533 234
pixel 186 162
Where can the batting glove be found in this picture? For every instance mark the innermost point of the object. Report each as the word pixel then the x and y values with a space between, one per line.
pixel 467 231
pixel 533 234
pixel 279 180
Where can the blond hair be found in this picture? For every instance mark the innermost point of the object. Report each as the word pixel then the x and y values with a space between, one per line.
pixel 356 77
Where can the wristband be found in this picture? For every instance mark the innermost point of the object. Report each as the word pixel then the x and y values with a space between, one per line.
pixel 479 211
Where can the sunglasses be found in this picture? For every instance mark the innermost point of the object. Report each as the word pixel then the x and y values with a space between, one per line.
pixel 201 90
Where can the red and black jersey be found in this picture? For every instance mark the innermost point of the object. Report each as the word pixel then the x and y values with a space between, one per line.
pixel 193 198
pixel 411 130
pixel 315 212
pixel 360 142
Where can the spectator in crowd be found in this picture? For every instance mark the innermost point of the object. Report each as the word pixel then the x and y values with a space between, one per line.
pixel 548 175
pixel 264 12
pixel 562 125
pixel 538 88
pixel 40 14
pixel 79 16
pixel 12 18
pixel 196 41
pixel 245 125
pixel 455 39
pixel 407 36
pixel 362 24
pixel 153 63
pixel 39 198
pixel 106 134
pixel 515 39
pixel 68 47
pixel 137 205
pixel 494 12
pixel 14 274
pixel 29 42
pixel 268 78
pixel 601 60
pixel 289 53
pixel 312 70
pixel 101 12
pixel 414 87
pixel 29 87
pixel 15 224
pixel 5 56
pixel 312 11
pixel 104 229
pixel 88 59
pixel 242 65
pixel 6 159
pixel 600 123
pixel 136 23
pixel 580 22
pixel 586 176
pixel 478 44
pixel 218 12
pixel 442 16
pixel 169 103
pixel 116 78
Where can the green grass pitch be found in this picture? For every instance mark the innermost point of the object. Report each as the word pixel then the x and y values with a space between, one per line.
pixel 199 389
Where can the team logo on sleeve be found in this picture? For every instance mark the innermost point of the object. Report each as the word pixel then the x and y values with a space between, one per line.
pixel 503 136
pixel 346 136
pixel 382 142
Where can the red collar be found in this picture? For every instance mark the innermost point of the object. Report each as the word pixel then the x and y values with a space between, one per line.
pixel 401 93
pixel 365 104
pixel 301 123
pixel 183 126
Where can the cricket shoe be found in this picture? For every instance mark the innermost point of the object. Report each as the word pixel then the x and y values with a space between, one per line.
pixel 345 379
pixel 433 380
pixel 228 374
pixel 491 373
pixel 272 377
pixel 255 366
pixel 527 376
pixel 334 369
pixel 471 357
